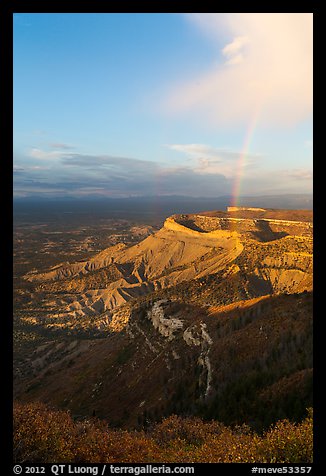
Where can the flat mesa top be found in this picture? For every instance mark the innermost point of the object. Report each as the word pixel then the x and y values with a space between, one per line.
pixel 261 213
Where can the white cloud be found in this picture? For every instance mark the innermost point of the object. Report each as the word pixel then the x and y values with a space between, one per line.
pixel 270 77
pixel 60 145
pixel 234 51
pixel 43 154
pixel 300 174
pixel 193 149
pixel 210 160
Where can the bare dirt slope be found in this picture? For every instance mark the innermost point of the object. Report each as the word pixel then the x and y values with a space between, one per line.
pixel 170 256
pixel 275 255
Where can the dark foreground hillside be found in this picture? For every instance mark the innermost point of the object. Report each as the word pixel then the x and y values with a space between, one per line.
pixel 247 362
pixel 42 435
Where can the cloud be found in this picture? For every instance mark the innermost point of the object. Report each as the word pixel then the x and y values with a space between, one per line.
pixel 209 172
pixel 18 169
pixel 66 158
pixel 212 160
pixel 36 153
pixel 61 146
pixel 83 174
pixel 266 73
pixel 107 162
pixel 300 174
pixel 193 149
pixel 234 51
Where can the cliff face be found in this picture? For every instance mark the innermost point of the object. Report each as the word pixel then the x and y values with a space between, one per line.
pixel 251 227
pixel 201 227
pixel 250 209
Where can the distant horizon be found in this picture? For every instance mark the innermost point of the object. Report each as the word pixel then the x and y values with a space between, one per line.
pixel 155 206
pixel 171 196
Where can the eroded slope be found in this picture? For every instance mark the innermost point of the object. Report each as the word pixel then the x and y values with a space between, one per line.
pixel 226 363
pixel 269 256
pixel 118 274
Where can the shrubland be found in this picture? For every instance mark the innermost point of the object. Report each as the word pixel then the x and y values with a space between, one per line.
pixel 42 435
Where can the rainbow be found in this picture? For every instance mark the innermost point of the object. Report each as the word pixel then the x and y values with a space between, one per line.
pixel 236 189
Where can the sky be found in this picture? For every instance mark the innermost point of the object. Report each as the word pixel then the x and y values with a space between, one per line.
pixel 147 104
